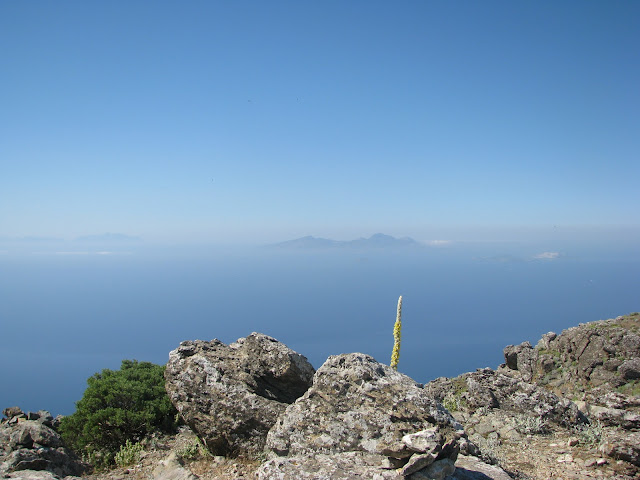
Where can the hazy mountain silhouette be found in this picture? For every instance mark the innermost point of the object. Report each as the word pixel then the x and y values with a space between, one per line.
pixel 378 240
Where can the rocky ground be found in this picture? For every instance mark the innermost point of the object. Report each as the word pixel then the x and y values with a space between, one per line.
pixel 568 408
pixel 180 457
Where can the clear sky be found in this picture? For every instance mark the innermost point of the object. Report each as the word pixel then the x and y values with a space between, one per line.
pixel 258 121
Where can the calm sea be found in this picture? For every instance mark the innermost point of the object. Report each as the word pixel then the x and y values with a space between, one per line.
pixel 66 316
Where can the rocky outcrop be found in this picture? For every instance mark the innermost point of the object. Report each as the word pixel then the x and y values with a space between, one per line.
pixel 605 354
pixel 525 406
pixel 363 419
pixel 488 389
pixel 28 443
pixel 231 395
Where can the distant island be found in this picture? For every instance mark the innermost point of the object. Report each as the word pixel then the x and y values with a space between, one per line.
pixel 378 240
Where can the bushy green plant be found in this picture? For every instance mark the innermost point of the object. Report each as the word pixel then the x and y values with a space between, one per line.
pixel 590 434
pixel 119 406
pixel 192 450
pixel 530 425
pixel 129 454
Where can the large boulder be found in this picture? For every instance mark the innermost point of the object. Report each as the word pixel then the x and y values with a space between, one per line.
pixel 231 395
pixel 365 414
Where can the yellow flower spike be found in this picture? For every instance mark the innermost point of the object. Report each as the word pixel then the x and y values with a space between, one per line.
pixel 395 355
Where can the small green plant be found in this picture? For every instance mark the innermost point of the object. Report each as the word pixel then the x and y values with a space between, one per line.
pixel 192 450
pixel 454 402
pixel 397 333
pixel 129 454
pixel 529 425
pixel 590 434
pixel 629 388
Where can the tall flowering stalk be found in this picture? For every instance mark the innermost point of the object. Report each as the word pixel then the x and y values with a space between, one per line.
pixel 395 355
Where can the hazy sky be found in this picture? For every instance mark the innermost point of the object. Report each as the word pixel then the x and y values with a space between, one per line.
pixel 243 120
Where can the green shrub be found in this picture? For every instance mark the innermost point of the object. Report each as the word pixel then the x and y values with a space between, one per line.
pixel 192 450
pixel 529 425
pixel 118 407
pixel 129 454
pixel 590 434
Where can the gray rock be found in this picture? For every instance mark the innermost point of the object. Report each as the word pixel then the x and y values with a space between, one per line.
pixel 45 418
pixel 630 369
pixel 11 412
pixel 424 441
pixel 171 469
pixel 336 466
pixel 506 393
pixel 417 463
pixel 33 434
pixel 615 417
pixel 34 475
pixel 623 446
pixel 358 404
pixel 31 445
pixel 602 353
pixel 55 460
pixel 436 471
pixel 521 357
pixel 231 395
pixel 471 468
pixel 545 342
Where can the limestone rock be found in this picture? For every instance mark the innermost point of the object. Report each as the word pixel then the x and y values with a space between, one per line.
pixel 34 475
pixel 523 358
pixel 358 404
pixel 623 446
pixel 31 445
pixel 231 395
pixel 494 390
pixel 472 468
pixel 436 471
pixel 355 465
pixel 336 466
pixel 11 412
pixel 424 441
pixel 171 469
pixel 602 353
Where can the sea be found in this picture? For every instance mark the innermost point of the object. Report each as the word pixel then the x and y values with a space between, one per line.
pixel 66 315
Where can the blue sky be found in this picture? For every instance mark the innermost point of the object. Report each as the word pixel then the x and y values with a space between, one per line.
pixel 262 121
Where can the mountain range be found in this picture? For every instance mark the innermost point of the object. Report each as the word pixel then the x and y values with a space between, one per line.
pixel 378 240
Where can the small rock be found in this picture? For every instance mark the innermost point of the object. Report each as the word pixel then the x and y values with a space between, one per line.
pixel 573 442
pixel 391 463
pixel 417 462
pixel 590 462
pixel 424 441
pixel 12 412
pixel 436 471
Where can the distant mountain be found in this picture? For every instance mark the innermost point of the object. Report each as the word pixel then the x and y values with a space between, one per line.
pixel 378 240
pixel 308 242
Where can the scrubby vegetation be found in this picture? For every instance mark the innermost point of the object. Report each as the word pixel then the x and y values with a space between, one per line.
pixel 129 454
pixel 118 409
